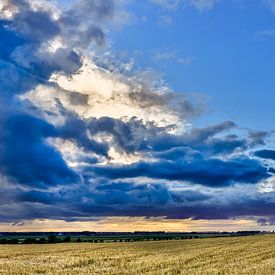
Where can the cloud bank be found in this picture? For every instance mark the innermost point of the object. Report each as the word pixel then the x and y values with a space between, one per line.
pixel 83 136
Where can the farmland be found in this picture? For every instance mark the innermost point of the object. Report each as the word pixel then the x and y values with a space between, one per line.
pixel 231 255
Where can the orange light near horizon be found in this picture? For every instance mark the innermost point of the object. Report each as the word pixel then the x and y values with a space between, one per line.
pixel 130 224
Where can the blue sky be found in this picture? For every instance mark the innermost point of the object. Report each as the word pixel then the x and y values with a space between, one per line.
pixel 227 54
pixel 137 115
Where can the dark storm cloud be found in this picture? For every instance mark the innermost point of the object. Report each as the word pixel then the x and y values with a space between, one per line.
pixel 123 134
pixel 135 135
pixel 184 163
pixel 30 29
pixel 257 137
pixel 266 154
pixel 114 198
pixel 267 221
pixel 35 196
pixel 77 130
pixel 34 26
pixel 126 199
pixel 26 157
pixel 87 15
pixel 211 172
pixel 185 107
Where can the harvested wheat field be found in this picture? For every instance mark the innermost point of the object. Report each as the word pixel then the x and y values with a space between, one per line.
pixel 236 255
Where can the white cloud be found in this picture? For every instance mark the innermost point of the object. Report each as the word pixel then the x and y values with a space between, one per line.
pixel 266 33
pixel 171 56
pixel 173 5
pixel 165 20
pixel 167 4
pixel 7 9
pixel 271 5
pixel 203 5
pixel 184 60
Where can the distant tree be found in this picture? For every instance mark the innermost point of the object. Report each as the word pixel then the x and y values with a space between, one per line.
pixel 42 241
pixel 14 241
pixel 29 241
pixel 52 239
pixel 67 239
pixel 78 240
pixel 3 241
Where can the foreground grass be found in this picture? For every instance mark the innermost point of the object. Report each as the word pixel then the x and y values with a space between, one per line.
pixel 238 255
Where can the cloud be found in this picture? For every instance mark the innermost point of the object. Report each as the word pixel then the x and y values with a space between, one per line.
pixel 167 4
pixel 26 157
pixel 265 154
pixel 203 5
pixel 85 136
pixel 213 172
pixel 120 199
pixel 172 5
pixel 165 20
pixel 265 33
pixel 170 56
pixel 271 5
pixel 52 41
pixel 114 94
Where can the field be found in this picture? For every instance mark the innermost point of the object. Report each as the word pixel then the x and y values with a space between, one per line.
pixel 231 255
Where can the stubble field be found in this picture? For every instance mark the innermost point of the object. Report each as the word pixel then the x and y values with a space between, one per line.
pixel 235 255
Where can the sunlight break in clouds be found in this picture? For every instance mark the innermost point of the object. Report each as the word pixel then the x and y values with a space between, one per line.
pixel 97 92
pixel 112 224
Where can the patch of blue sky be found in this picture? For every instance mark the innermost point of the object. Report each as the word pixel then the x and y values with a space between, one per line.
pixel 225 53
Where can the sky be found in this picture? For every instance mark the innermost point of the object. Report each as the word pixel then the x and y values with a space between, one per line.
pixel 137 115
